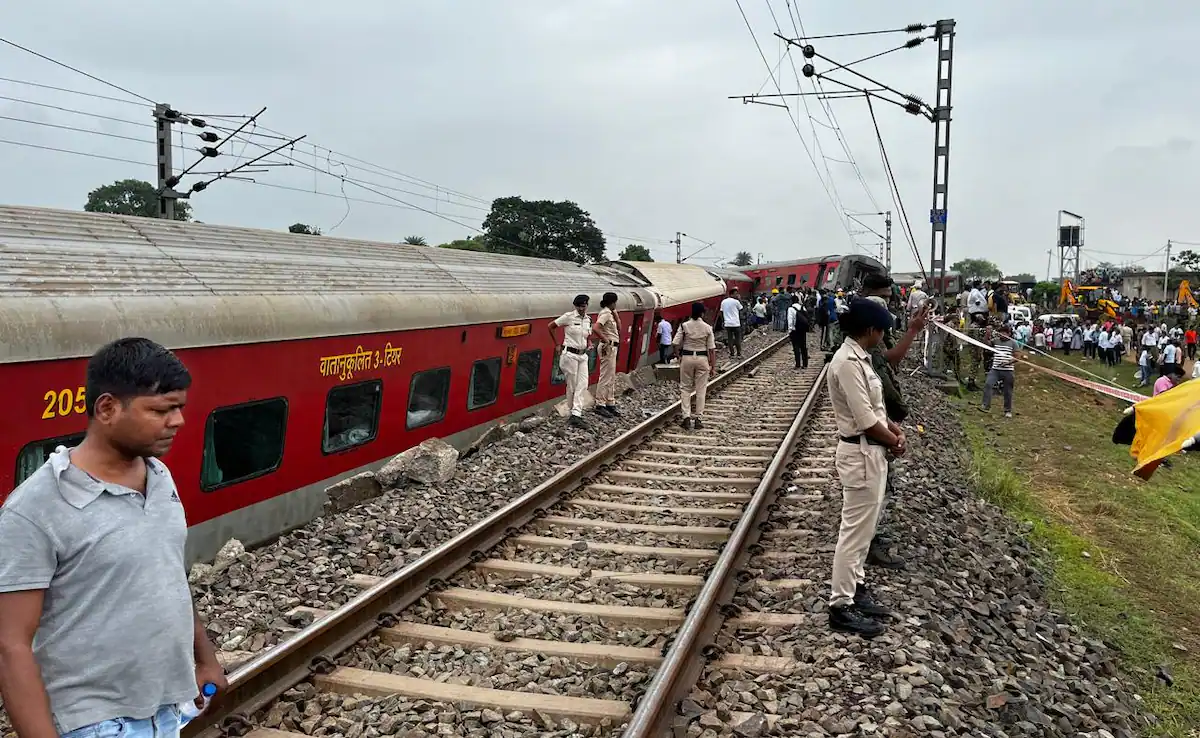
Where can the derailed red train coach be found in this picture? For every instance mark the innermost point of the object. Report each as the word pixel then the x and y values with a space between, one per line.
pixel 833 272
pixel 312 358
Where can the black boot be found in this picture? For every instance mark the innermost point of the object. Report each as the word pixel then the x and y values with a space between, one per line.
pixel 685 423
pixel 603 411
pixel 866 604
pixel 697 424
pixel 612 410
pixel 847 619
pixel 577 421
pixel 878 555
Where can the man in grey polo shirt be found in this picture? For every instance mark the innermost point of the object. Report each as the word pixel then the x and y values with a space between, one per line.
pixel 98 636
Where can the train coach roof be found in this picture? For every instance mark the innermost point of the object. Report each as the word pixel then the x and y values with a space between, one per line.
pixel 794 262
pixel 729 275
pixel 70 280
pixel 675 283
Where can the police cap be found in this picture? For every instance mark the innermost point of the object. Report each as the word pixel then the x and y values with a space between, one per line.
pixel 580 300
pixel 864 314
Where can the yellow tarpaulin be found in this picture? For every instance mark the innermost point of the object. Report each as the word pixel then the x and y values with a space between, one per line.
pixel 1163 423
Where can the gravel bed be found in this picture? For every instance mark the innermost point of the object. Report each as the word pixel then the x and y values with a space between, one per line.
pixel 498 669
pixel 589 591
pixel 972 649
pixel 666 501
pixel 601 560
pixel 544 626
pixel 638 518
pixel 633 538
pixel 305 710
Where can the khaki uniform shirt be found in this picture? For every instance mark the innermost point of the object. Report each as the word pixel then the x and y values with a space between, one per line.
pixel 578 328
pixel 695 335
pixel 609 325
pixel 855 391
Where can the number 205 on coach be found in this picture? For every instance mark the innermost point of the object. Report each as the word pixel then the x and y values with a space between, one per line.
pixel 61 403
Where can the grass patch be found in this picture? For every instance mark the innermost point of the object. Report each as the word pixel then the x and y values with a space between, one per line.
pixel 1124 555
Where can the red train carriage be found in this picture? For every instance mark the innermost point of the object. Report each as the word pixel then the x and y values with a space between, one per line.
pixel 732 279
pixel 826 272
pixel 313 358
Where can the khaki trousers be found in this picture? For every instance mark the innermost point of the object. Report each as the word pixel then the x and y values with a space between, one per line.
pixel 575 368
pixel 862 470
pixel 693 377
pixel 606 385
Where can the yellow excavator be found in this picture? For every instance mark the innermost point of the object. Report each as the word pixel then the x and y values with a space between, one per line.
pixel 1185 297
pixel 1091 299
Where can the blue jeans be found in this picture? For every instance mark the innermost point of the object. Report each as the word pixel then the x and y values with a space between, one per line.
pixel 164 724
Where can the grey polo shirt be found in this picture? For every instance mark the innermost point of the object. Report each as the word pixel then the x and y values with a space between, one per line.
pixel 117 628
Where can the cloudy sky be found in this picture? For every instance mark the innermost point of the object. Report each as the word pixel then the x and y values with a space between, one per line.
pixel 621 106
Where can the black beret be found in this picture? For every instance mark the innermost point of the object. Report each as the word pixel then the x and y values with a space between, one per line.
pixel 581 300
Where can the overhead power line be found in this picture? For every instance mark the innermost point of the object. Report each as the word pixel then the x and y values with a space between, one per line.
pixel 895 189
pixel 76 70
pixel 76 129
pixel 795 124
pixel 76 112
pixel 77 153
pixel 73 92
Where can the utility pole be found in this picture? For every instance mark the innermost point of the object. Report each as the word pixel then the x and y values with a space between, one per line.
pixel 1049 254
pixel 678 247
pixel 887 240
pixel 1167 271
pixel 164 117
pixel 943 36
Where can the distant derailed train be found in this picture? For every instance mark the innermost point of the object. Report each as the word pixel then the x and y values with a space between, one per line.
pixel 827 272
pixel 313 358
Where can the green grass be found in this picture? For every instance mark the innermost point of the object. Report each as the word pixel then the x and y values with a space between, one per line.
pixel 1138 586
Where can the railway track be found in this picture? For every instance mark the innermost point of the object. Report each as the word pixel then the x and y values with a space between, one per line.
pixel 591 603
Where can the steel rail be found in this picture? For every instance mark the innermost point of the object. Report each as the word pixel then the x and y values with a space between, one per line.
pixel 693 643
pixel 313 649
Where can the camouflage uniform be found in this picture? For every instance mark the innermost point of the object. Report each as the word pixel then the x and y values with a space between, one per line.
pixel 975 358
pixel 950 358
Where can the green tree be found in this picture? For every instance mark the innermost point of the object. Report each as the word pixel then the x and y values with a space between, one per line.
pixel 543 228
pixel 470 243
pixel 1187 260
pixel 976 268
pixel 743 258
pixel 304 228
pixel 1046 293
pixel 635 252
pixel 131 197
pixel 415 241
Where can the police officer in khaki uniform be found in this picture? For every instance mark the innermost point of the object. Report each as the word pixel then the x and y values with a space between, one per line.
pixel 866 437
pixel 572 354
pixel 608 340
pixel 696 347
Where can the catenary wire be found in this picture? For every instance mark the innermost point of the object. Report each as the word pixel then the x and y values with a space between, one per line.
pixel 895 188
pixel 77 153
pixel 76 129
pixel 73 92
pixel 75 69
pixel 59 108
pixel 796 125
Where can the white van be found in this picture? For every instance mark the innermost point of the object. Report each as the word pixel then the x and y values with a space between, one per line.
pixel 1020 314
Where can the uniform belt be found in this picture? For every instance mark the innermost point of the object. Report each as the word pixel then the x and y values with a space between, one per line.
pixel 575 350
pixel 693 353
pixel 859 438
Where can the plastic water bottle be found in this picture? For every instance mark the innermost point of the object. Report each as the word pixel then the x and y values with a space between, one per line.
pixel 188 710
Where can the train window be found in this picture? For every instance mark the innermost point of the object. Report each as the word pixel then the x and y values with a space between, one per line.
pixel 485 383
pixel 592 359
pixel 242 442
pixel 556 375
pixel 35 454
pixel 427 395
pixel 791 279
pixel 352 415
pixel 529 367
pixel 778 281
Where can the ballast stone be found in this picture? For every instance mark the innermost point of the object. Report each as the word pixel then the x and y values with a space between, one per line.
pixel 347 493
pixel 433 461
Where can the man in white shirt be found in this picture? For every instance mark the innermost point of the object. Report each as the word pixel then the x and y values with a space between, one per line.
pixel 917 298
pixel 797 323
pixel 731 316
pixel 573 354
pixel 665 334
pixel 977 300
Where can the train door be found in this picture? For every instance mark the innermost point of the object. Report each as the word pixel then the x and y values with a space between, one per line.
pixel 635 342
pixel 820 276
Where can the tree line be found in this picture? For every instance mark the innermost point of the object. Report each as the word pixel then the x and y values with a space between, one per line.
pixel 542 228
